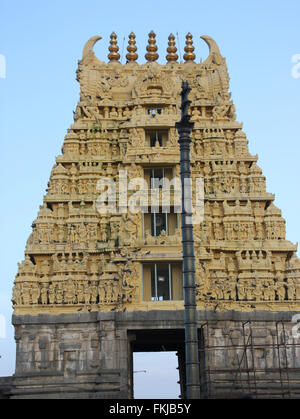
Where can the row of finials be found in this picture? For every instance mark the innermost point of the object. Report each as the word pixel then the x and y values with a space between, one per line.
pixel 151 48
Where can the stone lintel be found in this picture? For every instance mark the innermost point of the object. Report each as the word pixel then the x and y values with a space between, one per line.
pixel 138 317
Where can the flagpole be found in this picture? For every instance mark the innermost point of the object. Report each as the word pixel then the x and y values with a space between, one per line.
pixel 185 128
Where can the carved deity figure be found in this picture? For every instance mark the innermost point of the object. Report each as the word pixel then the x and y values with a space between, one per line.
pixel 52 294
pixel 241 290
pixel 17 295
pixel 69 292
pixel 291 289
pixel 44 294
pixel 221 108
pixel 35 294
pixel 26 300
pixel 102 293
pixel 94 293
pixel 129 228
pixel 87 294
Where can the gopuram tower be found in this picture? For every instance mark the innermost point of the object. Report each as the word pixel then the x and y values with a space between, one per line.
pixel 97 285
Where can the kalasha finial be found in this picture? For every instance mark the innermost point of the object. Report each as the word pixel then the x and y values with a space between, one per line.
pixel 132 55
pixel 113 55
pixel 189 56
pixel 172 56
pixel 151 48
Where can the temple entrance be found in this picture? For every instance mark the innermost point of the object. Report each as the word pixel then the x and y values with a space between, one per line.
pixel 155 356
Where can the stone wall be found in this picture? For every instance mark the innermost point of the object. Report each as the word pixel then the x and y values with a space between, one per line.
pixel 88 355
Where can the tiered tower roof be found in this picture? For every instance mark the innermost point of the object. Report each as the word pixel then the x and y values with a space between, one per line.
pixel 80 259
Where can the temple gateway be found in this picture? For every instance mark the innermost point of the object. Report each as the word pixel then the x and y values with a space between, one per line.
pixel 100 281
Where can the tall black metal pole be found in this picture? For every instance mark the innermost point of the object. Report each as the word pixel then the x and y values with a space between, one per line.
pixel 185 128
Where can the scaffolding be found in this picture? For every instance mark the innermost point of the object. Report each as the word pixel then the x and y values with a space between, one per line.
pixel 248 361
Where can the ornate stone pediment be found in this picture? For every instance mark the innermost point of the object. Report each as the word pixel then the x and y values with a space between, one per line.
pixel 156 84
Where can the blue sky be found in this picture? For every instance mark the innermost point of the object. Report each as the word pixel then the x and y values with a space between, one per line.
pixel 42 42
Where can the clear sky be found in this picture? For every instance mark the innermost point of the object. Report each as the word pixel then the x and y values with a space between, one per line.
pixel 41 42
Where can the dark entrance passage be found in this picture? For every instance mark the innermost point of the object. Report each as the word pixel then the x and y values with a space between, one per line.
pixel 155 341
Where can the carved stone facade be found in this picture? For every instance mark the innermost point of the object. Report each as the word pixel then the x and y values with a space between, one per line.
pixel 78 260
pixel 243 258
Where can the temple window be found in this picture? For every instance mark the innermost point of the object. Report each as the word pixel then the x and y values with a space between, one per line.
pixel 154 111
pixel 155 176
pixel 162 281
pixel 160 222
pixel 156 137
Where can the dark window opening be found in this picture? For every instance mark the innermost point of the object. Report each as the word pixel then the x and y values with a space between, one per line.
pixel 160 222
pixel 157 138
pixel 154 111
pixel 162 281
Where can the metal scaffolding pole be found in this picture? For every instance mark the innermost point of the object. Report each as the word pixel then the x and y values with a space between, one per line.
pixel 185 128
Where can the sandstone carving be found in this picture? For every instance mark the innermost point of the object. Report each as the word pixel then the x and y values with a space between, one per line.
pixel 77 258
